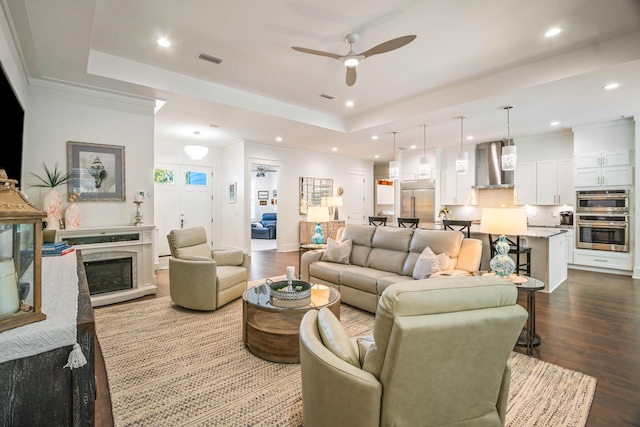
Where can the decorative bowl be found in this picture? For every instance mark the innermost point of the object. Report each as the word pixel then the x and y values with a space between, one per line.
pixel 300 296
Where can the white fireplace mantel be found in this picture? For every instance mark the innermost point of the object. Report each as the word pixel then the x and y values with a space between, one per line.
pixel 137 240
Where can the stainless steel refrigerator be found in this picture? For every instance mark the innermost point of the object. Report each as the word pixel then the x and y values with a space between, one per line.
pixel 417 200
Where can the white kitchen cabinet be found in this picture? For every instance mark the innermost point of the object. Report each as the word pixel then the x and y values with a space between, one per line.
pixel 603 259
pixel 384 194
pixel 571 244
pixel 604 176
pixel 457 189
pixel 525 184
pixel 602 159
pixel 554 182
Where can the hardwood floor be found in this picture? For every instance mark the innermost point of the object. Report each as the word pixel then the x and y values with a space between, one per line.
pixel 590 323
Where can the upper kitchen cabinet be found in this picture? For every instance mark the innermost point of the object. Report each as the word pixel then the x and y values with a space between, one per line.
pixel 595 167
pixel 555 182
pixel 455 188
pixel 547 182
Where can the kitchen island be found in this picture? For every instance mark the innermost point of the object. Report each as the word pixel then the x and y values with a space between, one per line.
pixel 548 252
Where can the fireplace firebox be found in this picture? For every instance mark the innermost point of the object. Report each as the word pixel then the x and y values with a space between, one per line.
pixel 109 275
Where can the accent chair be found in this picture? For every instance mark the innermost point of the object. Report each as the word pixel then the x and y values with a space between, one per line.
pixel 201 278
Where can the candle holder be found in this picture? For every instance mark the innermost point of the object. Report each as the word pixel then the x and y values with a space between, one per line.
pixel 138 214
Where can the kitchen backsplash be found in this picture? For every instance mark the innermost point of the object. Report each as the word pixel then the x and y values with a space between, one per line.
pixel 503 197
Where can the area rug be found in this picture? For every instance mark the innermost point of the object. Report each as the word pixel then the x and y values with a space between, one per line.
pixel 169 366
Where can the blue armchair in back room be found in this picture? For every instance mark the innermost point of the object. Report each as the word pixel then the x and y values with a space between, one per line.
pixel 266 228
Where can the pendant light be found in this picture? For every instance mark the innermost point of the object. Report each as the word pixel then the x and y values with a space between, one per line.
pixel 424 169
pixel 394 166
pixel 509 155
pixel 462 159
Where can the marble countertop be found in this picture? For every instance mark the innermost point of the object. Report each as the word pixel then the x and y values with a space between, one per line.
pixel 543 232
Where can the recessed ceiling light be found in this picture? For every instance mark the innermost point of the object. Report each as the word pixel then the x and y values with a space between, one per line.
pixel 164 42
pixel 374 137
pixel 376 157
pixel 334 149
pixel 611 86
pixel 349 103
pixel 553 32
pixel 279 138
pixel 470 137
pixel 413 147
pixel 554 123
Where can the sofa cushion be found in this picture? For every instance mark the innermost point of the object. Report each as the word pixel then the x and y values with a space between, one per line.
pixel 337 252
pixel 335 338
pixel 439 241
pixel 360 236
pixel 429 263
pixel 327 271
pixel 229 276
pixel 362 278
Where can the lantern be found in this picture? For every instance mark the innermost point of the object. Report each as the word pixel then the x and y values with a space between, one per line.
pixel 20 257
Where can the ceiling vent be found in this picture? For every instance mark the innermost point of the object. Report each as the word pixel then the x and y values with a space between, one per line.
pixel 327 96
pixel 210 58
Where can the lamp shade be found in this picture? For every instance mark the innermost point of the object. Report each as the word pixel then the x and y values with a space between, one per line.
pixel 509 158
pixel 394 170
pixel 504 221
pixel 337 200
pixel 424 168
pixel 318 214
pixel 462 162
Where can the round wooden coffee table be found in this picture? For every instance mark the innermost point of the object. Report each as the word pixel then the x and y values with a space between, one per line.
pixel 272 333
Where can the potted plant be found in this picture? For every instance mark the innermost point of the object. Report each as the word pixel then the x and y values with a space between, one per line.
pixel 52 202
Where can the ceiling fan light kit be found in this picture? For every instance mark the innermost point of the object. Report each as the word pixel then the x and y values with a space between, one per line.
pixel 352 59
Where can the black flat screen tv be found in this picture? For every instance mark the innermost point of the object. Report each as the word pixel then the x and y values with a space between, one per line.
pixel 13 126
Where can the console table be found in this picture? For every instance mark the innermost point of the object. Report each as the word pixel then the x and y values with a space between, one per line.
pixel 36 387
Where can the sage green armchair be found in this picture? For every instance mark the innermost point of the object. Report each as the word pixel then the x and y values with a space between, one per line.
pixel 201 278
pixel 439 356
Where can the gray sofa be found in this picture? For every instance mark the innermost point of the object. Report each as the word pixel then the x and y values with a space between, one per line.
pixel 381 256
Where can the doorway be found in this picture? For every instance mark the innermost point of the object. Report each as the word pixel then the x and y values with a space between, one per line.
pixel 355 197
pixel 183 199
pixel 263 200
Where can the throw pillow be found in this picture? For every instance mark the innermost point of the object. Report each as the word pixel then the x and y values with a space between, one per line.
pixel 337 252
pixel 335 338
pixel 429 263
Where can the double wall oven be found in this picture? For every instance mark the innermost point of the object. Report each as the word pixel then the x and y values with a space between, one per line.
pixel 602 220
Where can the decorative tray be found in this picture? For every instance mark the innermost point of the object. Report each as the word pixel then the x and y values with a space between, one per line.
pixel 299 295
pixel 513 278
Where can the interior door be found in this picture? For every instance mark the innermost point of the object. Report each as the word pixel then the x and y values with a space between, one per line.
pixel 355 197
pixel 183 199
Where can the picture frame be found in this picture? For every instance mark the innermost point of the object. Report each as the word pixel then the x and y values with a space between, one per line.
pixel 263 195
pixel 97 172
pixel 233 189
pixel 263 202
pixel 275 193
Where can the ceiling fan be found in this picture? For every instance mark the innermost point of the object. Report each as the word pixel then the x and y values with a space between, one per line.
pixel 352 59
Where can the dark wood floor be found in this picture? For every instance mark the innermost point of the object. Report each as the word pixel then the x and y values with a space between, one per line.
pixel 590 323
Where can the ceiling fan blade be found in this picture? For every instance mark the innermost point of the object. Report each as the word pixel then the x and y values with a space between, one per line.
pixel 388 46
pixel 316 52
pixel 351 76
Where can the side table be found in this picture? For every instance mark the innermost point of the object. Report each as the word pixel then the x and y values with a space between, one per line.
pixel 308 247
pixel 529 338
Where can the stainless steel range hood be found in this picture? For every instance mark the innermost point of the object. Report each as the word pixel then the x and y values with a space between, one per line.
pixel 489 173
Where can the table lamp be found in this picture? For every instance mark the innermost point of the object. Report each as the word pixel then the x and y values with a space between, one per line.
pixel 503 222
pixel 318 214
pixel 337 201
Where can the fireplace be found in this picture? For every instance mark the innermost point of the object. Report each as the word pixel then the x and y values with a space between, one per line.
pixel 109 275
pixel 118 261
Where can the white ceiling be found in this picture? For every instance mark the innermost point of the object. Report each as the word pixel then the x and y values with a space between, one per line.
pixel 469 58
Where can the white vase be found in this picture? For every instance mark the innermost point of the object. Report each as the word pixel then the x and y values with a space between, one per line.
pixel 72 217
pixel 52 205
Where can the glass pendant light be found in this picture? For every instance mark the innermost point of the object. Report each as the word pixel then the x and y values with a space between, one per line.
pixel 394 166
pixel 462 159
pixel 509 155
pixel 424 169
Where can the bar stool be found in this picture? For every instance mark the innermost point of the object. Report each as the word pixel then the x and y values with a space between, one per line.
pixel 517 249
pixel 457 225
pixel 377 220
pixel 408 222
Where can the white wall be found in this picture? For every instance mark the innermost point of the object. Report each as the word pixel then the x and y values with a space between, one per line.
pixel 294 164
pixel 58 114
